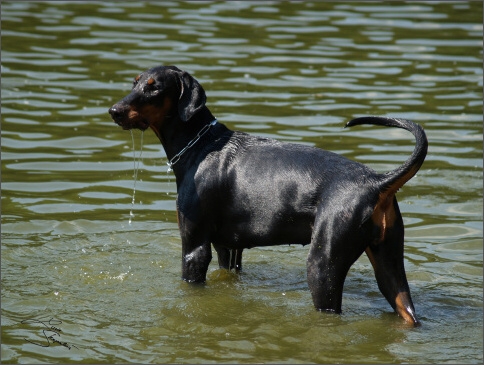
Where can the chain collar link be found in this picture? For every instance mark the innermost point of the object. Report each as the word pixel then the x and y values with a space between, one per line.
pixel 190 144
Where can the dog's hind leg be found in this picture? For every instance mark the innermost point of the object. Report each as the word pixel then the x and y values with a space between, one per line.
pixel 386 258
pixel 331 255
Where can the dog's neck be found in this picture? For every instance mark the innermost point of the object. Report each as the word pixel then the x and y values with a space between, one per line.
pixel 190 144
pixel 175 134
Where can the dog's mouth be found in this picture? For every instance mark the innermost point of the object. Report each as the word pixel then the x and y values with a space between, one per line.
pixel 128 118
pixel 128 124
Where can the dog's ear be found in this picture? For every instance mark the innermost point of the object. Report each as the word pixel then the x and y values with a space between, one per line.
pixel 192 97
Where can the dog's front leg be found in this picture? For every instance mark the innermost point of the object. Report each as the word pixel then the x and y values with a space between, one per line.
pixel 196 246
pixel 195 261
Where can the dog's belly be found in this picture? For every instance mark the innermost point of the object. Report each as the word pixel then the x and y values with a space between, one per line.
pixel 248 234
pixel 264 229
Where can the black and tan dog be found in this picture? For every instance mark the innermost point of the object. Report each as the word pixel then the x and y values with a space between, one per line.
pixel 238 191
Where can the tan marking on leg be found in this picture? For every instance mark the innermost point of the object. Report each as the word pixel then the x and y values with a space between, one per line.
pixel 384 214
pixel 405 309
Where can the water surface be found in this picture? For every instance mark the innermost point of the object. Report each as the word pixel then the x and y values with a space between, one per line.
pixel 292 71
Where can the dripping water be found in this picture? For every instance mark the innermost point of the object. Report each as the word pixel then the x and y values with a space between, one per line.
pixel 136 162
pixel 233 260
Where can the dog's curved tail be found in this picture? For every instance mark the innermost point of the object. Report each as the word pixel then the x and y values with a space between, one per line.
pixel 394 180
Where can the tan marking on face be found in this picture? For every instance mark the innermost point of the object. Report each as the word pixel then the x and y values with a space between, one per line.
pixel 133 114
pixel 150 81
pixel 155 115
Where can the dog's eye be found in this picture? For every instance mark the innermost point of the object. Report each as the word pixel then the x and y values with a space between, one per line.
pixel 149 89
pixel 136 79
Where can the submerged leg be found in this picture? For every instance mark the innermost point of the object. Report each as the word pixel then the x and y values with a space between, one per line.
pixel 326 278
pixel 331 255
pixel 229 258
pixel 386 257
pixel 195 262
pixel 387 261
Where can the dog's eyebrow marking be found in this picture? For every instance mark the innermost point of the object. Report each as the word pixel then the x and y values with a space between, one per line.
pixel 150 81
pixel 136 79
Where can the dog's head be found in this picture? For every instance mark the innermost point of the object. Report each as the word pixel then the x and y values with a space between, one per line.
pixel 159 93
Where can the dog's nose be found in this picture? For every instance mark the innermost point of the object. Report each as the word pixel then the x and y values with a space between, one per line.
pixel 117 112
pixel 114 111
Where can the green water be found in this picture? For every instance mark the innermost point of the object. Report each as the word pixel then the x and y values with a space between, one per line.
pixel 295 71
